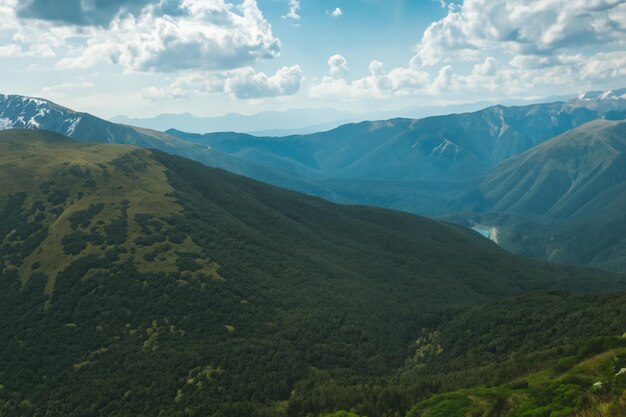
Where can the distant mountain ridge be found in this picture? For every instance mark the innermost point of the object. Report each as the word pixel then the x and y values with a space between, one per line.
pixel 443 148
pixel 35 113
pixel 440 148
pixel 302 121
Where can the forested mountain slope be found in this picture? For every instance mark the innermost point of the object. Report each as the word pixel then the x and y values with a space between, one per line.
pixel 138 283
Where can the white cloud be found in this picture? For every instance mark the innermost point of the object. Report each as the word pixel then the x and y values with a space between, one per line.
pixel 378 84
pixel 294 7
pixel 487 68
pixel 16 50
pixel 522 76
pixel 485 80
pixel 201 35
pixel 338 66
pixel 250 84
pixel 533 61
pixel 336 13
pixel 602 66
pixel 210 35
pixel 522 27
pixel 443 81
pixel 242 83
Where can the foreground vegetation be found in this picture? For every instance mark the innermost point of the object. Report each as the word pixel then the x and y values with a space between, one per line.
pixel 586 384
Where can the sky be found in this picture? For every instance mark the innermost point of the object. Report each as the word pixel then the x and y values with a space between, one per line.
pixel 141 58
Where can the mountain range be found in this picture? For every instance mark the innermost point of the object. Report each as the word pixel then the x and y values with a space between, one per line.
pixel 21 112
pixel 451 147
pixel 133 282
pixel 494 169
pixel 295 121
pixel 298 121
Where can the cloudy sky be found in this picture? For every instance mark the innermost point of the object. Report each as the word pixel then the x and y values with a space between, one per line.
pixel 209 57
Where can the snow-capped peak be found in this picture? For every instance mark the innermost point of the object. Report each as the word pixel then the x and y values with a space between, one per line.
pixel 20 112
pixel 604 95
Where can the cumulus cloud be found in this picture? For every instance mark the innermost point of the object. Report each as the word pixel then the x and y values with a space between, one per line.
pixel 522 27
pixel 142 35
pixel 487 79
pixel 336 13
pixel 294 7
pixel 561 70
pixel 602 66
pixel 487 68
pixel 250 84
pixel 16 50
pixel 82 12
pixel 378 84
pixel 210 34
pixel 241 83
pixel 338 66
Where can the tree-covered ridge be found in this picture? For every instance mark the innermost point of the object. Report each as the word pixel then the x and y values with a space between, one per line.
pixel 546 354
pixel 480 358
pixel 202 293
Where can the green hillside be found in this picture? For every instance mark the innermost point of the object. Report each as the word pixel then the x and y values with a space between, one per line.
pixel 587 386
pixel 532 356
pixel 135 283
pixel 562 200
pixel 509 358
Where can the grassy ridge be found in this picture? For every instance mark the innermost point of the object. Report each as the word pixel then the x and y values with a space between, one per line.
pixel 82 199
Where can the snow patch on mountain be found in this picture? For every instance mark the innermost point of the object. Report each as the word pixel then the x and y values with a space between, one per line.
pixel 604 95
pixel 34 123
pixel 34 113
pixel 445 147
pixel 503 125
pixel 110 137
pixel 73 124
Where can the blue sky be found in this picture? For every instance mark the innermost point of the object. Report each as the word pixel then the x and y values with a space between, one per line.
pixel 374 29
pixel 210 57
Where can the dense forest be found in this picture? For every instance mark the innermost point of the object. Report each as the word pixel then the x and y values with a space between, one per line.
pixel 134 283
